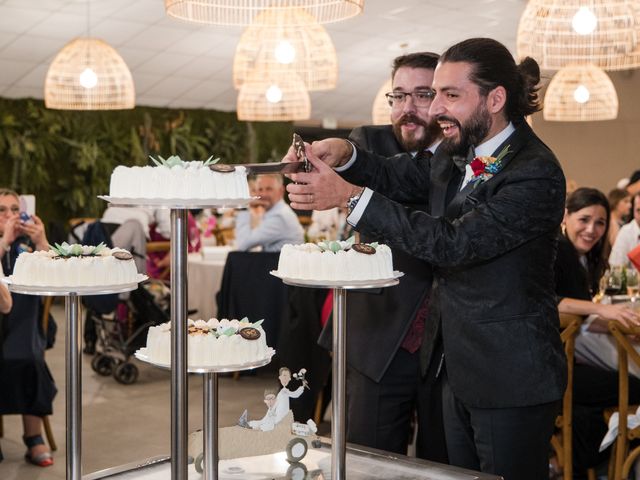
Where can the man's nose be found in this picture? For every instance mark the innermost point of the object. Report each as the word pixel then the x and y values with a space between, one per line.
pixel 436 108
pixel 408 105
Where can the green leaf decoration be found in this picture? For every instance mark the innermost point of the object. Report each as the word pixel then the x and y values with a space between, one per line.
pixel 208 161
pixel 229 331
pixel 258 323
pixel 374 245
pixel 350 241
pixel 157 162
pixel 335 246
pixel 245 319
pixel 324 246
pixel 76 250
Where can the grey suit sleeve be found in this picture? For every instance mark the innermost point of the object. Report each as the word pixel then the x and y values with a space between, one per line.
pixel 523 204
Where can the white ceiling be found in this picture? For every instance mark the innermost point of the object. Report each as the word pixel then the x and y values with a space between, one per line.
pixel 178 64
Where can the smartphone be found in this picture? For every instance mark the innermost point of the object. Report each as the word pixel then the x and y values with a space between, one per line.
pixel 25 217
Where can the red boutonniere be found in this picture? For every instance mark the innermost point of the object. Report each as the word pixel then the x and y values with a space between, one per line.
pixel 486 167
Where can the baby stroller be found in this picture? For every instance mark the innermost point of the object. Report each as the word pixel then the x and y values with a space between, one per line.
pixel 121 321
pixel 124 330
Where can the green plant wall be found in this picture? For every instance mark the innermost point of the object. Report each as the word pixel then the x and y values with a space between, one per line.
pixel 66 158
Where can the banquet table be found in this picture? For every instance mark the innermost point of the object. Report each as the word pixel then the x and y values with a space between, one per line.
pixel 205 277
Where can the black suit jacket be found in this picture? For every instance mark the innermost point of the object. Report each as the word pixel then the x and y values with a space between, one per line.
pixel 378 319
pixel 493 253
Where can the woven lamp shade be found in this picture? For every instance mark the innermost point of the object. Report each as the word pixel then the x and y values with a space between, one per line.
pixel 546 32
pixel 244 12
pixel 381 111
pixel 580 94
pixel 113 85
pixel 253 105
pixel 308 50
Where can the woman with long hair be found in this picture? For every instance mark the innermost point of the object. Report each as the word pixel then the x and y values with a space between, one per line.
pixel 580 264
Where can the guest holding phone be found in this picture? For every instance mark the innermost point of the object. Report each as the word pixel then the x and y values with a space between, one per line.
pixel 27 388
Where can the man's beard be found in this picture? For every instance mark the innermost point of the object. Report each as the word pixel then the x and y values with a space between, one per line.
pixel 416 142
pixel 473 132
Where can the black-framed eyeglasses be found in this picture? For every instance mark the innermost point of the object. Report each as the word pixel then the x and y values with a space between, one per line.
pixel 421 98
pixel 4 210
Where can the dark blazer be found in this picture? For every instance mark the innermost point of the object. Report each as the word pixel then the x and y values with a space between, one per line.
pixel 378 319
pixel 493 253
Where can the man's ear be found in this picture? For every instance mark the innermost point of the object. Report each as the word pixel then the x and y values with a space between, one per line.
pixel 497 99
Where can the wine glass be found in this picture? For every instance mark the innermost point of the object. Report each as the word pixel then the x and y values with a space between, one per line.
pixel 632 284
pixel 614 281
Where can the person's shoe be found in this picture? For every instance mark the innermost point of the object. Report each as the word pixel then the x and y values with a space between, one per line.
pixel 43 459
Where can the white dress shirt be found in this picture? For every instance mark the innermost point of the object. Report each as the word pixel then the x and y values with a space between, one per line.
pixel 627 239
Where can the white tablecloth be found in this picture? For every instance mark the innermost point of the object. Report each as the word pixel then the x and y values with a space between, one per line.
pixel 205 277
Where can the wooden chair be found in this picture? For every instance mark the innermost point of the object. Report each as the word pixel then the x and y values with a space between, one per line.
pixel 562 441
pixel 224 236
pixel 48 301
pixel 624 458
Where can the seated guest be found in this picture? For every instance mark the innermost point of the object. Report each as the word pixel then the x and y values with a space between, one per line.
pixel 279 224
pixel 579 265
pixel 628 237
pixel 160 231
pixel 620 205
pixel 26 385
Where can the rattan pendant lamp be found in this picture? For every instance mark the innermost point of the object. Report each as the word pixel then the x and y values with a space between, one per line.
pixel 381 111
pixel 243 12
pixel 580 93
pixel 559 33
pixel 88 74
pixel 273 44
pixel 265 97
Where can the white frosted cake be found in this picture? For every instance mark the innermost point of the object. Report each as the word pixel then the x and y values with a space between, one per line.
pixel 177 179
pixel 336 261
pixel 75 266
pixel 212 343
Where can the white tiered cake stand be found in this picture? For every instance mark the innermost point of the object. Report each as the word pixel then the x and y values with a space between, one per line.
pixel 73 358
pixel 339 366
pixel 179 369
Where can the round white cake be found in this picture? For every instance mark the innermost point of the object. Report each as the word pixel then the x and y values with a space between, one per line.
pixel 186 180
pixel 212 343
pixel 335 261
pixel 75 266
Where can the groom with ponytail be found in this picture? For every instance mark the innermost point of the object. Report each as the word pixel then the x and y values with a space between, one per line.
pixel 496 199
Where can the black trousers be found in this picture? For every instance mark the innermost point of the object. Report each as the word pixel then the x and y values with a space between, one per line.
pixel 379 415
pixel 512 442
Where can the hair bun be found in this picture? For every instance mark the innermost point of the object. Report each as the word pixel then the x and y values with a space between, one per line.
pixel 530 71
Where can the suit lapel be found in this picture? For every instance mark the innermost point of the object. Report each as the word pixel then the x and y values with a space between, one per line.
pixel 442 172
pixel 515 142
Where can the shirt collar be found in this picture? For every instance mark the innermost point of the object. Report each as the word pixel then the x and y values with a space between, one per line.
pixel 487 148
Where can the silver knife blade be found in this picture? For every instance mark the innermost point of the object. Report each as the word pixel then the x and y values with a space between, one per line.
pixel 274 167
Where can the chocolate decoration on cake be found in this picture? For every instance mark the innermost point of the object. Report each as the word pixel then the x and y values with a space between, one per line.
pixel 249 333
pixel 121 255
pixel 222 168
pixel 364 248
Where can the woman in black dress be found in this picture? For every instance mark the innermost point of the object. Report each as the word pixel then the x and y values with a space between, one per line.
pixel 28 388
pixel 579 266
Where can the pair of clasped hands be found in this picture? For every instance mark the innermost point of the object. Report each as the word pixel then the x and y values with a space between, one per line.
pixel 321 188
pixel 32 227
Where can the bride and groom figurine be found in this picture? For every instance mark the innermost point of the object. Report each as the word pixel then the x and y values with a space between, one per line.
pixel 277 403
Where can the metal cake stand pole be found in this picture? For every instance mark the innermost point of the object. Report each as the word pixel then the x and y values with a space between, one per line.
pixel 73 387
pixel 338 417
pixel 339 362
pixel 179 390
pixel 210 427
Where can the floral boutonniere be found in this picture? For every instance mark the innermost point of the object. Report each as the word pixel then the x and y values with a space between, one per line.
pixel 486 167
